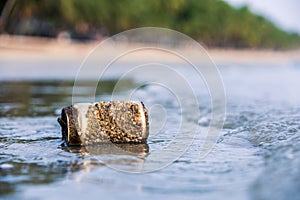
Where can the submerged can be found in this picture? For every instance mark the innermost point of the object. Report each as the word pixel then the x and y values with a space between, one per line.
pixel 103 122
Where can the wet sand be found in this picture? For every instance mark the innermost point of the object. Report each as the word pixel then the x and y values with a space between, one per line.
pixel 33 48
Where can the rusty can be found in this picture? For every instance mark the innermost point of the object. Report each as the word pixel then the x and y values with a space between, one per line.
pixel 105 121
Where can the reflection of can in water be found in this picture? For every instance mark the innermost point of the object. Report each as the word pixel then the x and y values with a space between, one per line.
pixel 104 121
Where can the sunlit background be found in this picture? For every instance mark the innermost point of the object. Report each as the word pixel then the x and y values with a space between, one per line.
pixel 232 23
pixel 284 13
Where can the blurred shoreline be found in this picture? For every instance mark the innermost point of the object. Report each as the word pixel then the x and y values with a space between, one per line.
pixel 13 48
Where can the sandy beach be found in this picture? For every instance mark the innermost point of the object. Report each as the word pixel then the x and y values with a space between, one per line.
pixel 34 48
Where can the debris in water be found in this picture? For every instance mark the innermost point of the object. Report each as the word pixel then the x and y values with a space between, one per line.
pixel 103 122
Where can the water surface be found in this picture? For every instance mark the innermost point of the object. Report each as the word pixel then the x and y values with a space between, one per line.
pixel 256 156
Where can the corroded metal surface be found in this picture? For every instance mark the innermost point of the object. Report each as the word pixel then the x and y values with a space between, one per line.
pixel 103 122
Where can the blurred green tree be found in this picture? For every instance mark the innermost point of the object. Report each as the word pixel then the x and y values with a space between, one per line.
pixel 213 22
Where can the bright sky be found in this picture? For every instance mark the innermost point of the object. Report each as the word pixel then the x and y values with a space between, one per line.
pixel 284 13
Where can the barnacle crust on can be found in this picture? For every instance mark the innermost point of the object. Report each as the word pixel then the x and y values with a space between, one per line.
pixel 103 122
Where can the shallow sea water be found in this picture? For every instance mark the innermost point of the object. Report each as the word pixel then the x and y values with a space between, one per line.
pixel 256 156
